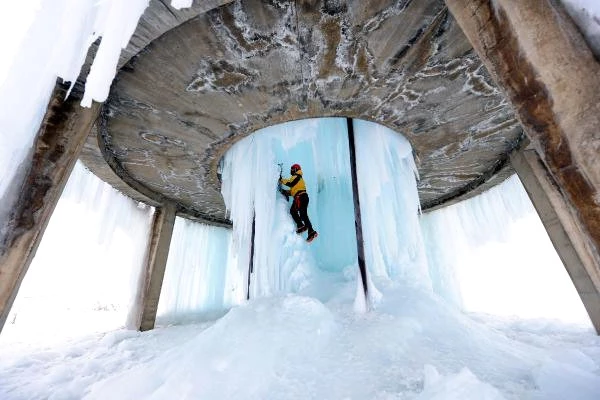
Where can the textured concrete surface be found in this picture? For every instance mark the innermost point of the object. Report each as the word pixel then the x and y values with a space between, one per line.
pixel 177 106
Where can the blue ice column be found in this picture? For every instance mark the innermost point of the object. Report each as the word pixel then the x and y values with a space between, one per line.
pixel 389 203
pixel 196 281
pixel 325 160
pixel 283 261
pixel 206 265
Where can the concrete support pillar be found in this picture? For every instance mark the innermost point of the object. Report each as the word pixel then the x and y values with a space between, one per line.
pixel 570 242
pixel 154 271
pixel 55 150
pixel 536 54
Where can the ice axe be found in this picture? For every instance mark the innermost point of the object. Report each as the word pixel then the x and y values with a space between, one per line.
pixel 280 186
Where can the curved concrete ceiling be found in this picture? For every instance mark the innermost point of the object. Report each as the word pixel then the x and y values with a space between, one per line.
pixel 179 104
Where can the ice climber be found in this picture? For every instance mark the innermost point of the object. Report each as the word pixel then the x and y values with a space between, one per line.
pixel 299 208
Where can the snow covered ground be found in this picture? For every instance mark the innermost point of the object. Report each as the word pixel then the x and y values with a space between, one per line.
pixel 297 347
pixel 310 344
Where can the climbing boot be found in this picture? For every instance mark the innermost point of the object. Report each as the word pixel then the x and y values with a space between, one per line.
pixel 312 236
pixel 301 229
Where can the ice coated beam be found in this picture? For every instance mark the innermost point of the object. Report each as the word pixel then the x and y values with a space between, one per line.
pixel 251 262
pixel 56 148
pixel 536 54
pixel 360 249
pixel 154 272
pixel 570 243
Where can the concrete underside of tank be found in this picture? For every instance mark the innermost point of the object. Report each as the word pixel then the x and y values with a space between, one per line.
pixel 195 81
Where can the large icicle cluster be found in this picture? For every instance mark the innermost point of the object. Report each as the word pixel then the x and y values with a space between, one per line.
pixel 389 206
pixel 55 46
pixel 85 273
pixel 492 254
pixel 453 232
pixel 282 260
pixel 197 278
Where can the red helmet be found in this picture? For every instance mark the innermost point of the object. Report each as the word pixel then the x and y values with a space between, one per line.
pixel 295 168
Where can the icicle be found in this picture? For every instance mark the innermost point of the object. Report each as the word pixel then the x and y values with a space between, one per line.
pixel 389 205
pixel 116 29
pixel 55 45
pixel 196 277
pixel 85 273
pixel 283 261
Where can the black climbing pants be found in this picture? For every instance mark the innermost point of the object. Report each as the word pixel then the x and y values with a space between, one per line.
pixel 299 211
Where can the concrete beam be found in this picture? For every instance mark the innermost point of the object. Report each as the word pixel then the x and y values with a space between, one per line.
pixel 56 148
pixel 570 242
pixel 538 57
pixel 154 272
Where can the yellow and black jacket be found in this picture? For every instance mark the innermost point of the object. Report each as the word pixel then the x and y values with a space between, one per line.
pixel 295 183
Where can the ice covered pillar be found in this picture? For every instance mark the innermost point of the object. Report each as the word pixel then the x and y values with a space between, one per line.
pixel 360 249
pixel 564 231
pixel 154 271
pixel 55 150
pixel 537 56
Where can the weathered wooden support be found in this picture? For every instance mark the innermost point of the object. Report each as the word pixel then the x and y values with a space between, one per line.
pixel 360 249
pixel 156 262
pixel 55 150
pixel 536 54
pixel 564 231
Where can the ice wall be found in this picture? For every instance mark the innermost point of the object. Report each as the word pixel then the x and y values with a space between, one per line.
pixel 453 233
pixel 85 273
pixel 445 245
pixel 389 205
pixel 494 251
pixel 453 251
pixel 198 277
pixel 283 261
